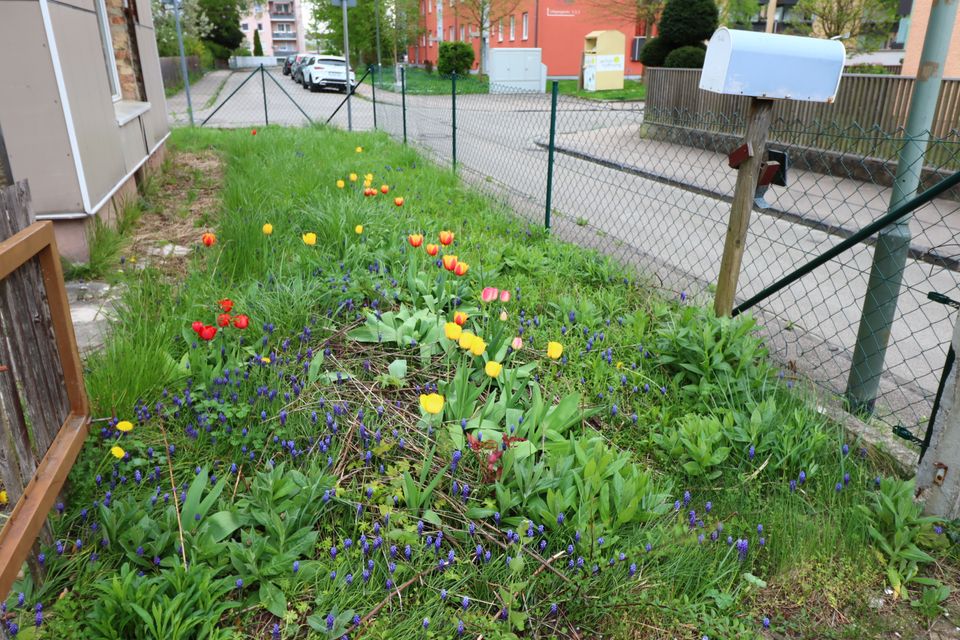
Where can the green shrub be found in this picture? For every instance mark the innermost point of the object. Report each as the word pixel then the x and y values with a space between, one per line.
pixel 688 21
pixel 873 69
pixel 688 57
pixel 654 52
pixel 455 57
pixel 257 46
pixel 218 51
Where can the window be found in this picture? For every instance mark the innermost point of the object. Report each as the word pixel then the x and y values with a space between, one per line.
pixel 451 35
pixel 513 28
pixel 106 41
pixel 500 30
pixel 429 6
pixel 245 26
pixel 259 26
pixel 430 40
pixel 463 34
pixel 524 24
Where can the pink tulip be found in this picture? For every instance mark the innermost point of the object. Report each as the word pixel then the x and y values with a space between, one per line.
pixel 504 296
pixel 517 343
pixel 489 294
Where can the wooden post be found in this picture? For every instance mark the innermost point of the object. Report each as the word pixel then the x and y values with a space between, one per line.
pixel 771 16
pixel 758 125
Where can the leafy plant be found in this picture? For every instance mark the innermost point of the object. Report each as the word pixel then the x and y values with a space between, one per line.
pixel 698 444
pixel 895 525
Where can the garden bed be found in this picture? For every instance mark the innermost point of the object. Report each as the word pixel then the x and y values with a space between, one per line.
pixel 340 432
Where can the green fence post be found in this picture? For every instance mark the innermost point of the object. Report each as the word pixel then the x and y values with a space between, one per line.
pixel 554 91
pixel 453 102
pixel 403 94
pixel 893 243
pixel 373 88
pixel 263 86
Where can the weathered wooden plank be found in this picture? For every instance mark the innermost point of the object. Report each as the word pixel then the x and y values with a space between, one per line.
pixel 26 316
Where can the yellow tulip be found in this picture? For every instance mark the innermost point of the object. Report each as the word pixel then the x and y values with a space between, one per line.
pixel 432 403
pixel 267 228
pixel 353 177
pixel 341 184
pixel 478 346
pixel 452 330
pixel 265 360
pixel 124 426
pixel 368 177
pixel 367 183
pixel 118 453
pixel 359 149
pixel 310 239
pixel 493 369
pixel 554 350
pixel 358 229
pixel 466 339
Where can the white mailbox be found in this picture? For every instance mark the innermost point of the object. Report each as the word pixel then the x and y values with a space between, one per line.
pixel 770 65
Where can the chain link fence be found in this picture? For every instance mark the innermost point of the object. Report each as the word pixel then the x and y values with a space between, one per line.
pixel 652 188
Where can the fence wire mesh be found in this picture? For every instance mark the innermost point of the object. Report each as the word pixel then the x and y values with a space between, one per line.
pixel 651 187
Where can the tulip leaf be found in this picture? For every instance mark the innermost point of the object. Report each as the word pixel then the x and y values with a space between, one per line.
pixel 272 599
pixel 398 369
pixel 313 373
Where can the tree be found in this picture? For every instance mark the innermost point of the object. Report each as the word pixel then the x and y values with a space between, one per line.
pixel 866 23
pixel 362 21
pixel 257 47
pixel 684 23
pixel 193 24
pixel 224 17
pixel 738 14
pixel 688 57
pixel 483 13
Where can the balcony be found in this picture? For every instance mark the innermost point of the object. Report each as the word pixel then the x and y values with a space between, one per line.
pixel 284 17
pixel 285 35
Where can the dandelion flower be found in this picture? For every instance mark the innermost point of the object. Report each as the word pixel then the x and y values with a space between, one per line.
pixel 267 229
pixel 310 239
pixel 118 453
pixel 125 426
pixel 358 229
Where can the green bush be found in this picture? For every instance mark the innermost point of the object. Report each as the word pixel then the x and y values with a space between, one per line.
pixel 654 52
pixel 688 21
pixel 688 57
pixel 257 46
pixel 873 69
pixel 455 57
pixel 219 52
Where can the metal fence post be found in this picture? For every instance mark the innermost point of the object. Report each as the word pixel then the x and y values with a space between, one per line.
pixel 453 102
pixel 373 88
pixel 183 59
pixel 263 86
pixel 554 91
pixel 403 94
pixel 893 244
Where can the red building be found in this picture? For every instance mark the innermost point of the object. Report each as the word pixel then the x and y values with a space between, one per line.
pixel 558 27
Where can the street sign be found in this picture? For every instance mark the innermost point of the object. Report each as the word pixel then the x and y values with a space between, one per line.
pixel 350 3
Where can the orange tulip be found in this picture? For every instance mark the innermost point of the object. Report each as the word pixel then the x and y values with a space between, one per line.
pixel 432 249
pixel 415 239
pixel 208 239
pixel 384 188
pixel 449 262
pixel 460 318
pixel 461 268
pixel 446 237
pixel 398 201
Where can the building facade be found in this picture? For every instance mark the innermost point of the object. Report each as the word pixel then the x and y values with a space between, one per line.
pixel 281 27
pixel 557 27
pixel 82 110
pixel 919 18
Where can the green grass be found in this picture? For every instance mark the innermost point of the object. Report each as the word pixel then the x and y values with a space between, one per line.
pixel 308 309
pixel 419 82
pixel 632 90
pixel 106 242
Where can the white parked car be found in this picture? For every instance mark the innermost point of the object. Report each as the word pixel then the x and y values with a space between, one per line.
pixel 328 72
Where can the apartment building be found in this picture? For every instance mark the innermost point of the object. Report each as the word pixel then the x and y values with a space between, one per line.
pixel 281 26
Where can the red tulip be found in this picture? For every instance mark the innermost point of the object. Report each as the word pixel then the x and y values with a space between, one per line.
pixel 208 239
pixel 226 304
pixel 461 268
pixel 446 237
pixel 197 326
pixel 449 262
pixel 432 249
pixel 241 321
pixel 415 239
pixel 223 319
pixel 254 132
pixel 398 201
pixel 208 332
pixel 384 188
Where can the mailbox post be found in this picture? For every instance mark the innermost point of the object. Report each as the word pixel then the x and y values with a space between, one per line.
pixel 752 64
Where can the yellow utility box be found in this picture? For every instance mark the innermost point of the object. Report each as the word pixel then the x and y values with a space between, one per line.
pixel 603 60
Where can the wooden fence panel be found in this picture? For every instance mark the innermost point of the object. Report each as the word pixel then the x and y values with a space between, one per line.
pixel 44 413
